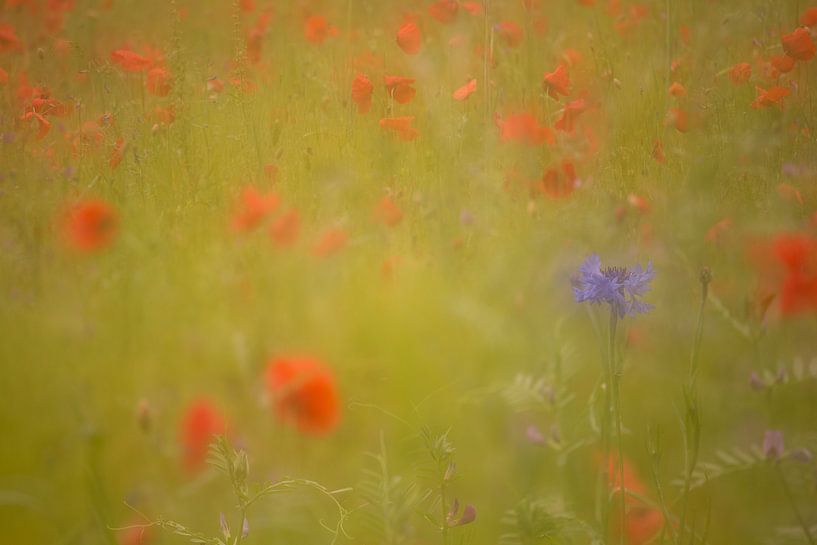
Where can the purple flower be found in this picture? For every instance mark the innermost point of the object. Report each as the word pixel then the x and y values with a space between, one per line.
pixel 619 287
pixel 773 444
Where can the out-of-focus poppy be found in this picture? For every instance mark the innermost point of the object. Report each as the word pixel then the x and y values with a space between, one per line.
pixel 557 82
pixel 89 225
pixel 772 96
pixel 387 212
pixel 465 91
pixel 330 242
pixel 510 33
pixel 131 61
pixel 362 93
pixel 409 38
pixel 740 73
pixel 253 208
pixel 399 88
pixel 798 45
pixel 200 423
pixel 304 393
pixel 445 11
pixel 400 127
pixel 285 229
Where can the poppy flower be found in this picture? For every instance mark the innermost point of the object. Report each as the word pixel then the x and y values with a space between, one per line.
pixel 523 128
pixel 677 90
pixel 387 212
pixel 774 95
pixel 571 112
pixel 556 185
pixel 399 88
pixel 331 242
pixel 284 230
pixel 677 118
pixel 642 523
pixel 130 61
pixel 43 125
pixel 658 152
pixel 408 38
pixel 400 127
pixel 90 225
pixel 158 81
pixel 556 83
pixel 809 17
pixel 782 63
pixel 362 93
pixel 740 73
pixel 474 8
pixel 510 32
pixel 317 29
pixel 465 91
pixel 253 208
pixel 200 423
pixel 445 11
pixel 4 77
pixel 118 153
pixel 304 393
pixel 789 266
pixel 798 45
pixel 8 38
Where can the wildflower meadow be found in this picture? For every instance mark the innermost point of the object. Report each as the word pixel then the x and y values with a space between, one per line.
pixel 408 272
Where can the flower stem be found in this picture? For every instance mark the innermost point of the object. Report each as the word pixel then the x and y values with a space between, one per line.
pixel 793 504
pixel 615 374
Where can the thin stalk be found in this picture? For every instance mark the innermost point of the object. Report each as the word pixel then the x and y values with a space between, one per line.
pixel 692 419
pixel 793 504
pixel 615 373
pixel 444 512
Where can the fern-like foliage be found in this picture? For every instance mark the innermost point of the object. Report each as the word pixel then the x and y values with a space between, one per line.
pixel 530 393
pixel 728 462
pixel 533 522
pixel 391 500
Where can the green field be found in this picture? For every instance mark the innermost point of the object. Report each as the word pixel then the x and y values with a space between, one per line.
pixel 343 241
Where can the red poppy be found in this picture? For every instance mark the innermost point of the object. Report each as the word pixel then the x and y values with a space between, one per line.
pixel 789 266
pixel 523 128
pixel 317 29
pixel 331 242
pixel 658 152
pixel 118 153
pixel 445 11
pixel 200 423
pixel 158 81
pixel 474 8
pixel 677 90
pixel 399 88
pixel 408 38
pixel 362 93
pixel 571 112
pixel 774 95
pixel 8 38
pixel 400 127
pixel 4 77
pixel 677 118
pixel 465 91
pixel 284 230
pixel 809 17
pixel 131 61
pixel 782 63
pixel 253 208
pixel 90 225
pixel 510 32
pixel 304 393
pixel 740 73
pixel 43 125
pixel 387 212
pixel 558 185
pixel 556 83
pixel 798 45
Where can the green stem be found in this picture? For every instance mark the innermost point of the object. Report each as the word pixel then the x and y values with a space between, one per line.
pixel 793 504
pixel 444 512
pixel 615 373
pixel 691 421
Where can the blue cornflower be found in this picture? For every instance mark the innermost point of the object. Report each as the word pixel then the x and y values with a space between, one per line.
pixel 618 287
